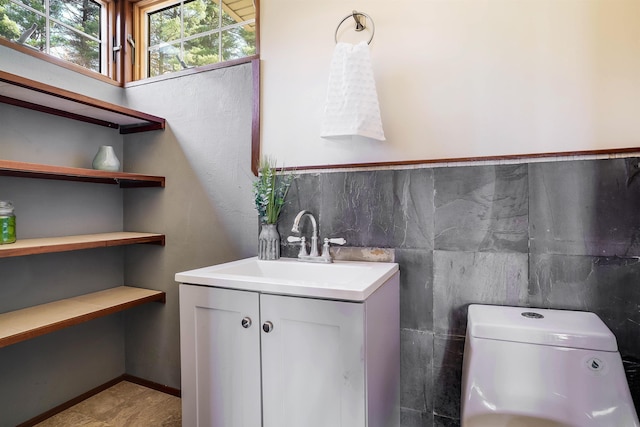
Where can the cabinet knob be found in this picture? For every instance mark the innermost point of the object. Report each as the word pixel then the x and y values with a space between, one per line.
pixel 246 322
pixel 267 326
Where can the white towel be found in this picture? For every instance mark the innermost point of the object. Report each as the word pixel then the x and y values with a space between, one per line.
pixel 352 107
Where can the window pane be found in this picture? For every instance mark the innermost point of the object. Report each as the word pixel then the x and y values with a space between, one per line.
pixel 202 51
pixel 83 15
pixel 36 4
pixel 164 25
pixel 16 25
pixel 238 43
pixel 73 47
pixel 164 59
pixel 193 37
pixel 200 16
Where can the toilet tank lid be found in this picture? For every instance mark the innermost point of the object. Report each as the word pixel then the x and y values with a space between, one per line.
pixel 558 328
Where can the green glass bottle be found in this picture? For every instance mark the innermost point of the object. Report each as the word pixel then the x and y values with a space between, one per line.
pixel 7 223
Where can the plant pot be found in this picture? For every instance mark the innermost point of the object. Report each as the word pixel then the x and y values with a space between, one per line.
pixel 269 242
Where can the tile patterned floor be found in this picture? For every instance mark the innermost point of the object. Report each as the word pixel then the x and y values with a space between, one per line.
pixel 124 404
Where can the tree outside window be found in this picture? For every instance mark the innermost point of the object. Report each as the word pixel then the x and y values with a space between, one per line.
pixel 71 30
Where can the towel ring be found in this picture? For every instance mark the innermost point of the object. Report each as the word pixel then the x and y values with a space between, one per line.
pixel 359 25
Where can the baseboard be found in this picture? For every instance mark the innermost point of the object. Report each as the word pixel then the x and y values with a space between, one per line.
pixel 125 377
pixel 150 384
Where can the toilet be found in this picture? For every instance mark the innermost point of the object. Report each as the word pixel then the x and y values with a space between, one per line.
pixel 526 367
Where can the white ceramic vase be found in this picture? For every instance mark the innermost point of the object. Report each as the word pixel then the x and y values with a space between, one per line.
pixel 106 159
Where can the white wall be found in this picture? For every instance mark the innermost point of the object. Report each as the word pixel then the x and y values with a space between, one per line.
pixel 458 78
pixel 206 209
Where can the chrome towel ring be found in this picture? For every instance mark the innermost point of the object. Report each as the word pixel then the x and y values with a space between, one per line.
pixel 357 16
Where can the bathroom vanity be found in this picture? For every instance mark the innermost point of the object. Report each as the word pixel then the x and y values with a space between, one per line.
pixel 285 343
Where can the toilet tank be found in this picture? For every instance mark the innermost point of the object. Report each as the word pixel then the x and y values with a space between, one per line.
pixel 561 328
pixel 542 368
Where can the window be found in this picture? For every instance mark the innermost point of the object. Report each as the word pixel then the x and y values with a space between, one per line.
pixel 72 30
pixel 159 37
pixel 176 35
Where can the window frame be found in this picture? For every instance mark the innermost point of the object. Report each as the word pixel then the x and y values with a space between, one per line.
pixel 140 65
pixel 106 33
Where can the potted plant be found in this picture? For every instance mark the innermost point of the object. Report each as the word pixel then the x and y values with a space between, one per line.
pixel 270 191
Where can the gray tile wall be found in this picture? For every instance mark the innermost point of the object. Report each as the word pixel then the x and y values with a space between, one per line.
pixel 552 235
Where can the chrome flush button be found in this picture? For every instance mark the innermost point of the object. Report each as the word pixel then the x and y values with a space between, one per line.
pixel 531 315
pixel 595 364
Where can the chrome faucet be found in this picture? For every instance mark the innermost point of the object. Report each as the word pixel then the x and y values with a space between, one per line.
pixel 313 256
pixel 314 224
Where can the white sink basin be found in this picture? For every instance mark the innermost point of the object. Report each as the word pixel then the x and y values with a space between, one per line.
pixel 343 280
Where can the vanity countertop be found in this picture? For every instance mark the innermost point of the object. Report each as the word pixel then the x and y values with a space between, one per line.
pixel 340 280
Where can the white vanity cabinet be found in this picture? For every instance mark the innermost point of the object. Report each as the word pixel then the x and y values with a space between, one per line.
pixel 220 356
pixel 253 359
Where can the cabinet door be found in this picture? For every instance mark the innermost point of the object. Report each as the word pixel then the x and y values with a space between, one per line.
pixel 220 357
pixel 312 363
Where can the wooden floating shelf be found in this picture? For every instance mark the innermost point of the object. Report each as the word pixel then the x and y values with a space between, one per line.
pixel 35 170
pixel 72 243
pixel 27 323
pixel 34 95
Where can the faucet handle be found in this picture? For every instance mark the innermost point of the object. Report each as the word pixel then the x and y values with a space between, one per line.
pixel 337 241
pixel 326 252
pixel 303 244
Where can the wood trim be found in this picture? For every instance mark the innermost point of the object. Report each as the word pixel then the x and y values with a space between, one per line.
pixel 127 129
pixel 127 26
pixel 56 112
pixel 45 245
pixel 68 404
pixel 106 57
pixel 84 396
pixel 152 385
pixel 63 173
pixel 255 118
pixel 139 34
pixel 114 16
pixel 510 157
pixel 194 70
